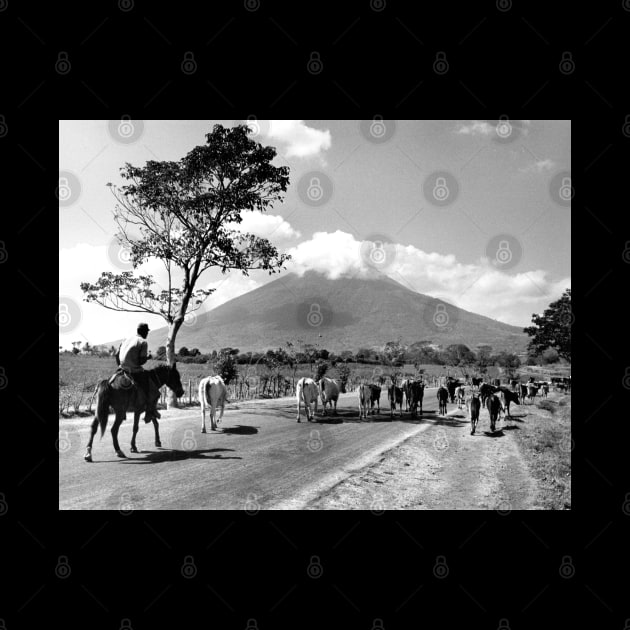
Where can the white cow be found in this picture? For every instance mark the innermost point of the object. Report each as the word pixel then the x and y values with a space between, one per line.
pixel 365 395
pixel 212 394
pixel 329 391
pixel 306 392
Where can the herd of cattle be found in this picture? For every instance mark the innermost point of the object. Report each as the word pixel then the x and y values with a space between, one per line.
pixel 472 395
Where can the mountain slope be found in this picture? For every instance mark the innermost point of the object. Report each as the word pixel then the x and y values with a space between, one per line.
pixel 341 314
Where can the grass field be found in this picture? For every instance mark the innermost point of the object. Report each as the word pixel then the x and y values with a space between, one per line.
pixel 79 375
pixel 544 439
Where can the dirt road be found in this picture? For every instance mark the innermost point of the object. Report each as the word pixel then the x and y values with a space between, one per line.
pixel 260 458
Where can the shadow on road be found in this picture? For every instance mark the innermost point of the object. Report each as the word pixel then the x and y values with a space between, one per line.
pixel 498 433
pixel 512 428
pixel 240 429
pixel 173 455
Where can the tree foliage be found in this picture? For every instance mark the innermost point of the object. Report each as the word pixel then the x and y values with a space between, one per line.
pixel 552 329
pixel 187 215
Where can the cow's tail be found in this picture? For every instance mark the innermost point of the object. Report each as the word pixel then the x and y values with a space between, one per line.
pixel 102 404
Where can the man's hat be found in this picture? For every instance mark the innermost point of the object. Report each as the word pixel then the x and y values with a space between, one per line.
pixel 143 325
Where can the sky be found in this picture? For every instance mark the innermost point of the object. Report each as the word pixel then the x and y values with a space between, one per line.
pixel 476 213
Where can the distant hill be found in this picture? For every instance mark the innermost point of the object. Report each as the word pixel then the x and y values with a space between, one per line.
pixel 341 314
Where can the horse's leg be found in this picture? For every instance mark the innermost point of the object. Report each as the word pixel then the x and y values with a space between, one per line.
pixel 88 453
pixel 156 426
pixel 136 420
pixel 120 416
pixel 213 411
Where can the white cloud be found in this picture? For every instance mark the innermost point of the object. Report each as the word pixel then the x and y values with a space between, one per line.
pixel 298 139
pixel 333 254
pixel 476 128
pixel 487 128
pixel 270 226
pixel 539 166
pixel 477 287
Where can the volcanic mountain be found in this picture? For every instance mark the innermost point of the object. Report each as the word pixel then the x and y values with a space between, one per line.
pixel 347 313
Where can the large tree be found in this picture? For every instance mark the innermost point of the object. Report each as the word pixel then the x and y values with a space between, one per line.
pixel 186 214
pixel 552 329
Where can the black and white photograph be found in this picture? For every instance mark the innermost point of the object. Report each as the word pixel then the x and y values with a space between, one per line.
pixel 362 315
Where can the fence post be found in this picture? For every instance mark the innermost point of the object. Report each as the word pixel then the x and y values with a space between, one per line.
pixel 189 392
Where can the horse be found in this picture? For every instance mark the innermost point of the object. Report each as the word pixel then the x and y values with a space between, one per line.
pixel 123 396
pixel 442 396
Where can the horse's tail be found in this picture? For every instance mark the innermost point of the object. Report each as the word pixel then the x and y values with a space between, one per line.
pixel 102 404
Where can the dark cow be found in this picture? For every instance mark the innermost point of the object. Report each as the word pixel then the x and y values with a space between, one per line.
pixel 485 391
pixel 442 396
pixel 497 382
pixel 395 397
pixel 523 388
pixel 507 397
pixel 451 386
pixel 494 409
pixel 544 390
pixel 513 384
pixel 416 394
pixel 405 387
pixel 375 397
pixel 476 381
pixel 474 405
pixel 532 390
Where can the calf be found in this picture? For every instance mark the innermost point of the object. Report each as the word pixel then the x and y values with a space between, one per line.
pixel 545 390
pixel 474 405
pixel 395 397
pixel 442 396
pixel 306 392
pixel 460 395
pixel 329 392
pixel 212 394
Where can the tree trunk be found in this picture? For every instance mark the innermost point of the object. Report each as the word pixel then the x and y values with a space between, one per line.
pixel 171 400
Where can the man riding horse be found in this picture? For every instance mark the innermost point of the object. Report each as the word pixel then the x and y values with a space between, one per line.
pixel 132 354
